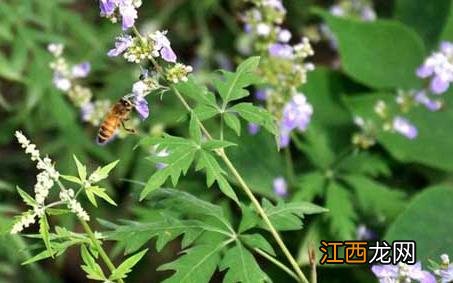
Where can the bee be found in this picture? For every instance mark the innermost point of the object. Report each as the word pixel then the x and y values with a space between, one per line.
pixel 114 119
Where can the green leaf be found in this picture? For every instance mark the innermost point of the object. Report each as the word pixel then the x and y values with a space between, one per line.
pixel 194 128
pixel 233 122
pixel 367 56
pixel 426 221
pixel 72 179
pixel 318 148
pixel 310 186
pixel 100 192
pixel 205 112
pixel 126 267
pixel 241 266
pixel 427 22
pixel 216 144
pixel 257 115
pixel 365 163
pixel 102 173
pixel 198 264
pixel 341 212
pixel 197 92
pixel 81 169
pixel 232 87
pixel 44 231
pixel 287 216
pixel 257 241
pixel 26 197
pixel 214 172
pixel 376 198
pixel 92 269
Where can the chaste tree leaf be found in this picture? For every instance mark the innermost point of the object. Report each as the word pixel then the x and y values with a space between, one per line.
pixel 126 266
pixel 257 115
pixel 92 269
pixel 342 214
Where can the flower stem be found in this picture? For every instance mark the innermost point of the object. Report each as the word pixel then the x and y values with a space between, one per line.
pixel 99 248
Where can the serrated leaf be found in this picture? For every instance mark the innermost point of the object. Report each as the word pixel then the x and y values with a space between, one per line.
pixel 102 173
pixel 341 212
pixel 205 112
pixel 232 87
pixel 257 241
pixel 287 216
pixel 92 269
pixel 198 264
pixel 44 232
pixel 216 144
pixel 317 147
pixel 215 173
pixel 241 266
pixel 310 185
pixel 126 267
pixel 233 122
pixel 26 197
pixel 257 115
pixel 100 192
pixel 72 179
pixel 81 169
pixel 365 163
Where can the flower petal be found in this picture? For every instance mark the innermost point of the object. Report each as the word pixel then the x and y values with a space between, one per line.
pixel 141 105
pixel 168 54
pixel 438 85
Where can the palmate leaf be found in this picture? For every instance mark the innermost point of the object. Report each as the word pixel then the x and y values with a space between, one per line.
pixel 342 215
pixel 215 173
pixel 241 266
pixel 287 216
pixel 92 269
pixel 197 92
pixel 232 87
pixel 365 163
pixel 310 186
pixel 181 155
pixel 198 264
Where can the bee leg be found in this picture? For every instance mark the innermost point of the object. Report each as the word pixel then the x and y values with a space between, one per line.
pixel 132 131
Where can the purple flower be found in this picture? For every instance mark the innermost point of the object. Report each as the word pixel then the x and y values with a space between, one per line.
pixel 107 7
pixel 253 128
pixel 364 233
pixel 87 111
pixel 296 115
pixel 141 105
pixel 128 14
pixel 430 104
pixel 280 186
pixel 438 66
pixel 261 94
pixel 162 44
pixel 81 70
pixel 122 43
pixel 247 28
pixel 404 127
pixel 446 275
pixel 285 51
pixel 402 273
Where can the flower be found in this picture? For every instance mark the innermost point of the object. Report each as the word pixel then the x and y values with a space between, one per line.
pixel 26 220
pixel 364 233
pixel 128 13
pixel 402 273
pixel 263 29
pixel 43 184
pixel 94 112
pixel 81 70
pixel 280 186
pixel 162 44
pixel 439 67
pixel 261 94
pixel 285 51
pixel 141 105
pixel 404 127
pixel 62 83
pixel 284 35
pixel 296 115
pixel 127 9
pixel 430 104
pixel 122 43
pixel 56 49
pixel 253 128
pixel 446 275
pixel 178 73
pixel 68 197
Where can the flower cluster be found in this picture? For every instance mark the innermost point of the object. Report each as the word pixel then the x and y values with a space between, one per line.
pixel 68 197
pixel 444 270
pixel 438 67
pixel 126 10
pixel 66 78
pixel 45 181
pixel 359 9
pixel 283 66
pixel 280 187
pixel 402 273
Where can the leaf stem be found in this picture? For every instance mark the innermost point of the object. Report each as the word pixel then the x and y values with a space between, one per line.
pixel 276 262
